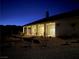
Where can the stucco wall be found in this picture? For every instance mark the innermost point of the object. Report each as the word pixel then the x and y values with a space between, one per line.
pixel 63 27
pixel 67 27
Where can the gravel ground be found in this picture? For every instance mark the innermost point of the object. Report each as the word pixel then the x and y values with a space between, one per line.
pixel 42 53
pixel 54 52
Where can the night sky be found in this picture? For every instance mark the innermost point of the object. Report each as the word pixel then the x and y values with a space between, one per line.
pixel 20 12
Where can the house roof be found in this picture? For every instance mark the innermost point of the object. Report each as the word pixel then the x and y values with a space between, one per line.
pixel 56 17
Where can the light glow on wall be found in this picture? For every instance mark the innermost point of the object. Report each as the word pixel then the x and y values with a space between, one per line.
pixel 40 30
pixel 24 29
pixel 50 29
pixel 29 30
pixel 34 30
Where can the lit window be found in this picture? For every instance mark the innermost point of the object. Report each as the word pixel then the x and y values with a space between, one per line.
pixel 50 29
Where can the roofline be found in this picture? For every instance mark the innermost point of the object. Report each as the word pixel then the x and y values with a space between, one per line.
pixel 58 16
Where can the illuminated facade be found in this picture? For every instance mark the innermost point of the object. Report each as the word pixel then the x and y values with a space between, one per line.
pixel 50 29
pixel 40 30
pixel 47 29
pixel 65 24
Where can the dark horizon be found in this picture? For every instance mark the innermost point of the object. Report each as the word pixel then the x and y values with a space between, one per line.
pixel 20 12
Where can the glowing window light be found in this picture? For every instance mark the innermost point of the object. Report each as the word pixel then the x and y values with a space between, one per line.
pixel 29 30
pixel 34 30
pixel 50 29
pixel 41 30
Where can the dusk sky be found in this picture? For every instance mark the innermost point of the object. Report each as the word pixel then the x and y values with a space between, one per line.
pixel 20 12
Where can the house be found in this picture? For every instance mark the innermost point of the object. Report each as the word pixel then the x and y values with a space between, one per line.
pixel 64 24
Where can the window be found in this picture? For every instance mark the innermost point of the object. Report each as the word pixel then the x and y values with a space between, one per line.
pixel 50 29
pixel 29 30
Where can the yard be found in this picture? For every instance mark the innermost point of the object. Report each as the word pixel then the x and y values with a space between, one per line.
pixel 54 52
